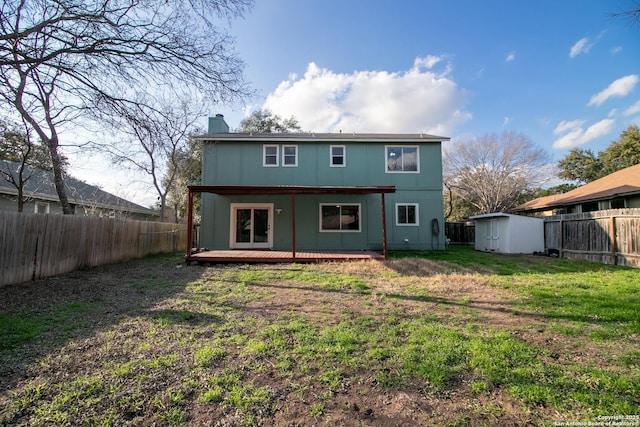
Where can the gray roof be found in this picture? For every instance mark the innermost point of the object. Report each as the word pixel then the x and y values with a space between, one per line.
pixel 40 186
pixel 320 137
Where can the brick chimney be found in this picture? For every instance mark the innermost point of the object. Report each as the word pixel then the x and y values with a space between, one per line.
pixel 218 125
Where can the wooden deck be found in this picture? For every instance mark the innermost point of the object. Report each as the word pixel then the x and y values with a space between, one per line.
pixel 257 256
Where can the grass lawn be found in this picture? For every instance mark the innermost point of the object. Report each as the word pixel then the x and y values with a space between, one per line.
pixel 452 338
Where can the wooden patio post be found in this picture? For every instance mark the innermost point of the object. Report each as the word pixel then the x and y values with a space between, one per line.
pixel 293 226
pixel 189 224
pixel 384 228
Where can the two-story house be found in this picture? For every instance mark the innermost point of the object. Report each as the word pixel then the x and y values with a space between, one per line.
pixel 319 191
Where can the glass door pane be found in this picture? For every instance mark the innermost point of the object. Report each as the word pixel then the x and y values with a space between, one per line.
pixel 260 225
pixel 243 225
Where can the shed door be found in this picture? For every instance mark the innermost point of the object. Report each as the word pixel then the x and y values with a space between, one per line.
pixel 492 236
pixel 251 226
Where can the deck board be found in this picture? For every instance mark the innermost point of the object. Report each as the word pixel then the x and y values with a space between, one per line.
pixel 257 256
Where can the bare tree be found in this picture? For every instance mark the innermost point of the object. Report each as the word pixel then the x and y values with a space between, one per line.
pixel 20 157
pixel 492 172
pixel 155 139
pixel 185 170
pixel 633 15
pixel 58 57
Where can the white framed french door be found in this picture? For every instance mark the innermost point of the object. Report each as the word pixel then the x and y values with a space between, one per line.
pixel 251 226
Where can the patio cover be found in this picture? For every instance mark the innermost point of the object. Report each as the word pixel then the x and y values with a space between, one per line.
pixel 291 190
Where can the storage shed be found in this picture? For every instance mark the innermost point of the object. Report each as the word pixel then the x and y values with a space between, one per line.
pixel 509 234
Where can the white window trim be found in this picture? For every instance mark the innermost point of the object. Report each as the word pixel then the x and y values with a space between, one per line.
pixel 344 156
pixel 284 165
pixel 45 205
pixel 417 223
pixel 264 155
pixel 386 168
pixel 359 230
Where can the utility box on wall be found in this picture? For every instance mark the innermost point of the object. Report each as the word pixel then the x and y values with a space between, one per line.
pixel 508 233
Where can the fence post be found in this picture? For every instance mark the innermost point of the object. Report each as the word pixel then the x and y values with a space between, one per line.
pixel 561 249
pixel 612 239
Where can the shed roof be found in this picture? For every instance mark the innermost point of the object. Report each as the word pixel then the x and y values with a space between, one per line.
pixel 618 184
pixel 502 215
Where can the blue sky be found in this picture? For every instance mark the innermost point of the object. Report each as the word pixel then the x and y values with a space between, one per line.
pixel 565 73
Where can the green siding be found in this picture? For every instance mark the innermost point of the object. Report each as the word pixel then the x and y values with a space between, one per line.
pixel 240 163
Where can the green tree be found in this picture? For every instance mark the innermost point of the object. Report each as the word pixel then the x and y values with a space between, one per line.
pixel 584 166
pixel 580 165
pixel 622 153
pixel 264 121
pixel 20 156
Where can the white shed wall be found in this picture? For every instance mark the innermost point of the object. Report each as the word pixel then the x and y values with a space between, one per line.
pixel 506 233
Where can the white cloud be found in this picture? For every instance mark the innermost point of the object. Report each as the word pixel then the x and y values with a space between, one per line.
pixel 417 100
pixel 565 126
pixel 634 109
pixel 620 87
pixel 576 135
pixel 581 46
pixel 511 57
pixel 427 62
pixel 615 50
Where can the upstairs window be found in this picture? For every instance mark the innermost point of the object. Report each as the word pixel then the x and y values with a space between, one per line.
pixel 406 214
pixel 339 218
pixel 402 159
pixel 290 155
pixel 337 156
pixel 270 155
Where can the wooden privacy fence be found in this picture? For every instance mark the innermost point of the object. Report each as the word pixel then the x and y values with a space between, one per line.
pixel 35 246
pixel 609 236
pixel 460 232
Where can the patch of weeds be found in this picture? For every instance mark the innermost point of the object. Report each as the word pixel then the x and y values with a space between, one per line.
pixel 19 328
pixel 256 348
pixel 630 359
pixel 173 416
pixel 332 378
pixel 214 394
pixel 480 387
pixel 125 369
pixel 433 352
pixel 162 362
pixel 28 397
pixel 298 389
pixel 248 397
pixel 316 410
pixel 151 283
pixel 341 340
pixel 207 355
pixel 379 354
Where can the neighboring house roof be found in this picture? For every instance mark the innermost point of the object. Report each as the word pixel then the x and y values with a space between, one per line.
pixel 318 137
pixel 625 182
pixel 41 186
